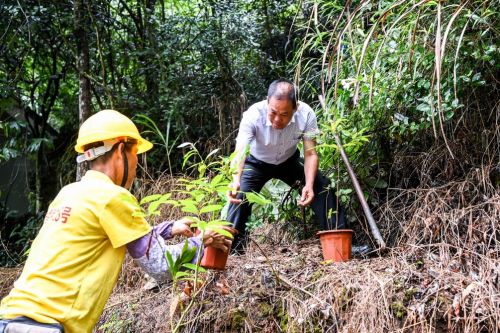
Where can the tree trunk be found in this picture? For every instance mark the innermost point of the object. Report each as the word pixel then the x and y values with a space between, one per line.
pixel 38 182
pixel 151 43
pixel 82 24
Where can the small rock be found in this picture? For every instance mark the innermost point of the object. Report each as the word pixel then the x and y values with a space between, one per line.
pixel 150 283
pixel 260 259
pixel 267 279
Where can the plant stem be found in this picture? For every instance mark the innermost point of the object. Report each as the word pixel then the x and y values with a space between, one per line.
pixel 195 288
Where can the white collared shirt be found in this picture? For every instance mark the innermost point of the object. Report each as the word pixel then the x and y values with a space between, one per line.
pixel 271 145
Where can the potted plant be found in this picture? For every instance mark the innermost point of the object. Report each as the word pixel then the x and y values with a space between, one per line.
pixel 337 243
pixel 203 199
pixel 214 258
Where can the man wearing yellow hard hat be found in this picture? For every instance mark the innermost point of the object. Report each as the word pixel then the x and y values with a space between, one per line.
pixel 76 257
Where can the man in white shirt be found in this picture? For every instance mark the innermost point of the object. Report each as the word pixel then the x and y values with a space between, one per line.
pixel 272 129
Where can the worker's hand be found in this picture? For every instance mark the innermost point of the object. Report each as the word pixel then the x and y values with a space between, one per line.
pixel 213 239
pixel 233 191
pixel 182 227
pixel 307 196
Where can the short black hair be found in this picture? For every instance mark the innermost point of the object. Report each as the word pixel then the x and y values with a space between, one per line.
pixel 283 88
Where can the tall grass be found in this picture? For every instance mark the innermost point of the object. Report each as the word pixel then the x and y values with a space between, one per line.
pixel 417 58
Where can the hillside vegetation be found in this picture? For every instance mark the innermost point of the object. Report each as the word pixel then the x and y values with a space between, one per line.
pixel 411 89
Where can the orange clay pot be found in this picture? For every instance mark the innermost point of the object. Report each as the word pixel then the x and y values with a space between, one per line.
pixel 215 258
pixel 336 244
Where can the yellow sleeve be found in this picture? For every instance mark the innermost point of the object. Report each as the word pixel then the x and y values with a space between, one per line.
pixel 118 222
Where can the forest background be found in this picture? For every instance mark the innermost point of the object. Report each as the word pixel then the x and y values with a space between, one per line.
pixel 411 88
pixel 192 67
pixel 395 75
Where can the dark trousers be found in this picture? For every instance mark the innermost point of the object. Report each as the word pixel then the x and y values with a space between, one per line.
pixel 256 173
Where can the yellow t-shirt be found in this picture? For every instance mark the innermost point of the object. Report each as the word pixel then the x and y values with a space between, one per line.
pixel 75 259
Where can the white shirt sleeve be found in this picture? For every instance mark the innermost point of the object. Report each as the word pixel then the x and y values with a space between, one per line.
pixel 311 128
pixel 247 130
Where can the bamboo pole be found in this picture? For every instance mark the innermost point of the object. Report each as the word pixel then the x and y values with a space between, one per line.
pixel 366 209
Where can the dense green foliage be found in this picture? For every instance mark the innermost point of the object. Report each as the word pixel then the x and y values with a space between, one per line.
pixel 391 71
pixel 190 66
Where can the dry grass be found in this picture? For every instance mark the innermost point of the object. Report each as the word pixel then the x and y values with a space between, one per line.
pixel 442 274
pixel 165 184
pixel 7 278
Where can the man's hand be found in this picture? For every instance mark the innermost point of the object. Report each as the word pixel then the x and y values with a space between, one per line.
pixel 182 227
pixel 307 196
pixel 233 191
pixel 213 239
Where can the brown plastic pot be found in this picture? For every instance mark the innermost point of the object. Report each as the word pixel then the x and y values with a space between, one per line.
pixel 336 244
pixel 214 258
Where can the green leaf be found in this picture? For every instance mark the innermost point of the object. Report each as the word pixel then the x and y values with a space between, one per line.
pixel 187 254
pixel 150 198
pixel 219 223
pixel 220 231
pixel 153 207
pixel 223 188
pixel 185 202
pixel 344 191
pixel 171 265
pixel 424 107
pixel 202 168
pixel 187 156
pixel 189 208
pixel 165 197
pixel 198 196
pixel 182 274
pixel 185 246
pixel 216 180
pixel 256 198
pixel 194 267
pixel 174 203
pixel 210 208
pixel 202 225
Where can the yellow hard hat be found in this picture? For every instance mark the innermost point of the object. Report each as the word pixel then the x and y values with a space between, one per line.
pixel 106 125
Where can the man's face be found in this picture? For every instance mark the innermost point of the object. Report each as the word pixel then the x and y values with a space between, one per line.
pixel 279 112
pixel 132 165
